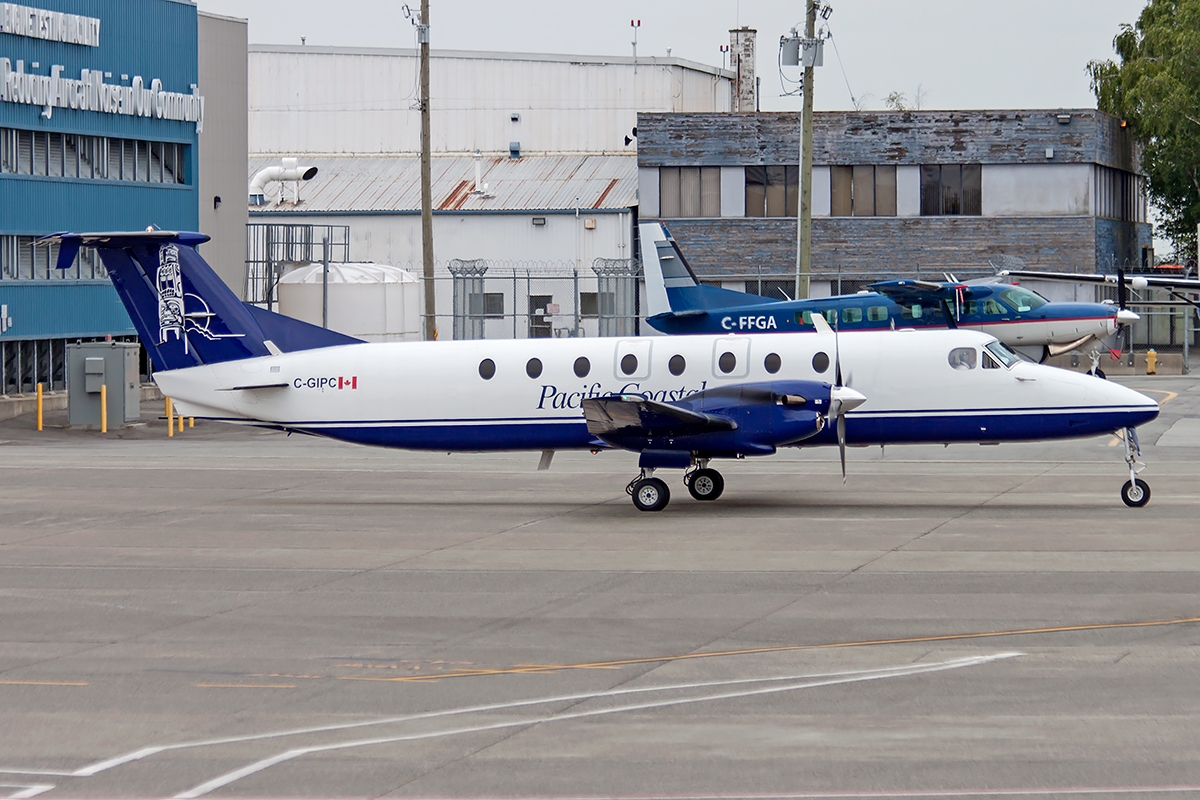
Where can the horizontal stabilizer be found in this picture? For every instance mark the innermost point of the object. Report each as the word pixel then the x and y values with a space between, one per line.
pixel 184 313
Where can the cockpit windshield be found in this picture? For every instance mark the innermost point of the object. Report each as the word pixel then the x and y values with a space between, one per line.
pixel 1020 299
pixel 1004 355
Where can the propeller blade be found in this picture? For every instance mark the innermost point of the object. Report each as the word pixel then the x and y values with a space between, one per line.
pixel 841 434
pixel 1122 293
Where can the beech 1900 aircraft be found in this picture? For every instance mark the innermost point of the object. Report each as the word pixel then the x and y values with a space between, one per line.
pixel 1022 319
pixel 680 402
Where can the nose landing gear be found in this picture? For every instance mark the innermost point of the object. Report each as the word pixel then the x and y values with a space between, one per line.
pixel 1136 492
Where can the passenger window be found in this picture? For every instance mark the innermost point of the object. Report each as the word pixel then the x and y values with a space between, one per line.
pixel 582 367
pixel 487 369
pixel 727 362
pixel 989 362
pixel 993 309
pixel 963 358
pixel 677 365
pixel 803 318
pixel 830 315
pixel 533 368
pixel 877 313
pixel 629 364
pixel 772 363
pixel 851 315
pixel 820 362
pixel 911 311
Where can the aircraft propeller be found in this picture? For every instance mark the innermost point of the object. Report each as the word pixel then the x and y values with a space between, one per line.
pixel 841 397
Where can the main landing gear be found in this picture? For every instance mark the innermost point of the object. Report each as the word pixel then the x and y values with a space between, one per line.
pixel 1136 492
pixel 652 494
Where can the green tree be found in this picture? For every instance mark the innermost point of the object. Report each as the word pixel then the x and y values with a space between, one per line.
pixel 1155 87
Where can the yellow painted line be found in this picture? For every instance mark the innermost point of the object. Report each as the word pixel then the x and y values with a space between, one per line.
pixel 948 637
pixel 245 685
pixel 43 683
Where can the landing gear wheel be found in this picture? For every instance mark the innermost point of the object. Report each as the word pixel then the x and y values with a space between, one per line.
pixel 651 494
pixel 1099 373
pixel 1135 493
pixel 705 484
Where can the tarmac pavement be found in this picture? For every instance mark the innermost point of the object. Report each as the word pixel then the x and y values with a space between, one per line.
pixel 237 613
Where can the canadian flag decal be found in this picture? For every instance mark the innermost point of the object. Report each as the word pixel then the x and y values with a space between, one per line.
pixel 348 383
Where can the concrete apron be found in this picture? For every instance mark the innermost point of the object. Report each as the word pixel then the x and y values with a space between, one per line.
pixel 1168 363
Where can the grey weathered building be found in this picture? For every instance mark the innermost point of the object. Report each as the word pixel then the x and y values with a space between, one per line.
pixel 896 192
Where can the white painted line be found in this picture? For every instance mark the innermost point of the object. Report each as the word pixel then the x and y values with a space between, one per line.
pixel 894 672
pixel 135 755
pixel 26 789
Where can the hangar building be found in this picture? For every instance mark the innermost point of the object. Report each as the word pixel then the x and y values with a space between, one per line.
pixel 110 115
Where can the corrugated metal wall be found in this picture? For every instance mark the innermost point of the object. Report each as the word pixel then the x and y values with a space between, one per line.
pixel 329 100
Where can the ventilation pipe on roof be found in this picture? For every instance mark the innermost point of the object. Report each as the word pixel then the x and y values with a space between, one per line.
pixel 288 170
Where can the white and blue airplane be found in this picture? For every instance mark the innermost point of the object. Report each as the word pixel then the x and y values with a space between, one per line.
pixel 680 401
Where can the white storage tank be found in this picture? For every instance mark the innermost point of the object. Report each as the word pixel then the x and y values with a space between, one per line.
pixel 373 302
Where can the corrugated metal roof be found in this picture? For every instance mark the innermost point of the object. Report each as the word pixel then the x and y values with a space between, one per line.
pixel 390 183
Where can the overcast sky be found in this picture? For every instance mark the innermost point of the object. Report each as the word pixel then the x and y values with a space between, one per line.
pixel 962 53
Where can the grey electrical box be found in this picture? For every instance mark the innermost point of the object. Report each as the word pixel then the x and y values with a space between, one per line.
pixel 113 365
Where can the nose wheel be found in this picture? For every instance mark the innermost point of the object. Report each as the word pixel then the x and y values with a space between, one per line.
pixel 1136 492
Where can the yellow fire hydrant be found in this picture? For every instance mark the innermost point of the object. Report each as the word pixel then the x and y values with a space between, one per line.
pixel 1151 362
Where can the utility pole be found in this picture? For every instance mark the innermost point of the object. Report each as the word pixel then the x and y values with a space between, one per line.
pixel 804 223
pixel 426 179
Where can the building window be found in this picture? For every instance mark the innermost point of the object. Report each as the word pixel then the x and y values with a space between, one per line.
pixel 862 191
pixel 951 190
pixel 689 191
pixel 772 191
pixel 21 261
pixel 64 155
pixel 486 304
pixel 1119 195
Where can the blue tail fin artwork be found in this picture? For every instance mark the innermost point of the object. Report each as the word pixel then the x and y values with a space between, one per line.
pixel 184 313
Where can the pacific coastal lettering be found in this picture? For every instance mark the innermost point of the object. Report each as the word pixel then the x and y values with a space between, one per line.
pixel 553 398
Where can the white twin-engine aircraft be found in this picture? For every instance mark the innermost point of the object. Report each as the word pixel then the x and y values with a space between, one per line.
pixel 678 401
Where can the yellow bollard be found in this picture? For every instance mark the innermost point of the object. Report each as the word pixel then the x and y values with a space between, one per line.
pixel 39 406
pixel 1151 362
pixel 170 418
pixel 191 422
pixel 104 408
pixel 180 418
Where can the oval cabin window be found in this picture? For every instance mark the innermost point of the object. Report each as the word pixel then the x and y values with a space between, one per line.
pixel 677 365
pixel 772 363
pixel 582 367
pixel 821 362
pixel 629 364
pixel 487 369
pixel 533 368
pixel 727 362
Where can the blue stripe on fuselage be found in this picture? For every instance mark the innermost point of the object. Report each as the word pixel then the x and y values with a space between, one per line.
pixel 883 428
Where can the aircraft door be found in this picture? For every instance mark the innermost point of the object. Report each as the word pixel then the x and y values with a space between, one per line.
pixel 632 360
pixel 731 357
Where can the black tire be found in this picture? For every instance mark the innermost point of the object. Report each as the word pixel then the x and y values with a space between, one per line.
pixel 651 494
pixel 1135 493
pixel 705 484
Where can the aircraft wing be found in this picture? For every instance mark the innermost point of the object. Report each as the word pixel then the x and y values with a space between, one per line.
pixel 632 414
pixel 913 290
pixel 1133 281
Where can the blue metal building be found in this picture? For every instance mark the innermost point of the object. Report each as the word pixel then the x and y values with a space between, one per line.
pixel 100 116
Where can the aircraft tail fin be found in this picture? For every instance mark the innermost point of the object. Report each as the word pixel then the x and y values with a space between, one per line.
pixel 671 284
pixel 184 313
